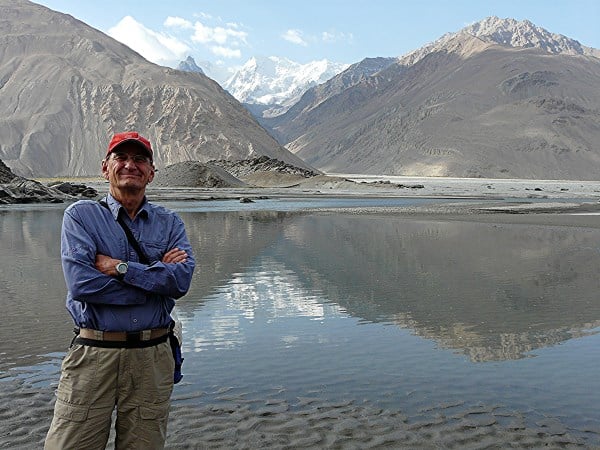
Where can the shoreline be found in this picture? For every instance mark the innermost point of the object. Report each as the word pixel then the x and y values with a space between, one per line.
pixel 519 201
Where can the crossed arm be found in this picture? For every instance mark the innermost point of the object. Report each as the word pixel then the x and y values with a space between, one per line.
pixel 107 265
pixel 91 276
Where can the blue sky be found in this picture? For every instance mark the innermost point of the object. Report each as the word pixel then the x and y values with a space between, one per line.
pixel 227 33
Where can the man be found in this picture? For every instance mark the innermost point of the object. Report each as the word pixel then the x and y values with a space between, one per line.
pixel 121 308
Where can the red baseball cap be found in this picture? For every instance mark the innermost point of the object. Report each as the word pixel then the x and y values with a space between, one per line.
pixel 129 136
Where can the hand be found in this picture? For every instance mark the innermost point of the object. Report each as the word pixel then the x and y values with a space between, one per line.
pixel 175 256
pixel 107 265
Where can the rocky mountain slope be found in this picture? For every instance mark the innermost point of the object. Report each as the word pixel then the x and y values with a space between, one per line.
pixel 499 98
pixel 66 87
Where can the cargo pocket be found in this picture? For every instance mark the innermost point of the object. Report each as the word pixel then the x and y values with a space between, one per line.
pixel 68 427
pixel 77 426
pixel 73 413
pixel 152 431
pixel 153 412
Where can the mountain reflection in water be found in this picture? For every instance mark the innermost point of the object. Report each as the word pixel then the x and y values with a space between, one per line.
pixel 493 292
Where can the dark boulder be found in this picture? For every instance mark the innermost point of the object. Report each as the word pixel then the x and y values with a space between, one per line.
pixel 19 190
pixel 74 189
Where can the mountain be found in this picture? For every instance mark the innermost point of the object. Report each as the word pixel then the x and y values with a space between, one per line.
pixel 354 74
pixel 273 84
pixel 509 33
pixel 66 87
pixel 189 65
pixel 217 72
pixel 499 98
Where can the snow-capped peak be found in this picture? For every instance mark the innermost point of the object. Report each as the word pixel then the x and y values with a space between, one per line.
pixel 278 81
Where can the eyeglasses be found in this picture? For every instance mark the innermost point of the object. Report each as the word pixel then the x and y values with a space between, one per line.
pixel 123 157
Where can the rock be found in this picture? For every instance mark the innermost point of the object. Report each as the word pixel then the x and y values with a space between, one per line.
pixel 196 174
pixel 6 175
pixel 240 173
pixel 21 190
pixel 18 190
pixel 245 167
pixel 76 190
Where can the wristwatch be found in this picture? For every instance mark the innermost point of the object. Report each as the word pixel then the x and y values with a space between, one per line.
pixel 121 269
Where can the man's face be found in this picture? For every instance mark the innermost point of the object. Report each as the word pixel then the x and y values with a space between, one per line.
pixel 128 167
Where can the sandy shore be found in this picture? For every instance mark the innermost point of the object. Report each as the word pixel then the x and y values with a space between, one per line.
pixel 551 202
pixel 510 195
pixel 252 423
pixel 240 422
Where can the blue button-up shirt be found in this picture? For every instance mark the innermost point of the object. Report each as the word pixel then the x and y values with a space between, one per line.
pixel 144 298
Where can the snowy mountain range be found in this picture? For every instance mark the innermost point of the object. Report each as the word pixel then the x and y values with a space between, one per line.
pixel 271 85
pixel 497 99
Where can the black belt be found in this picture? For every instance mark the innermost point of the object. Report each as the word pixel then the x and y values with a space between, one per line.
pixel 123 336
pixel 132 340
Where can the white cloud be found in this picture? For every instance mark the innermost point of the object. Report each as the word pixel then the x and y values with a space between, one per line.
pixel 336 36
pixel 156 47
pixel 219 35
pixel 295 37
pixel 162 48
pixel 178 22
pixel 226 52
pixel 298 37
pixel 228 39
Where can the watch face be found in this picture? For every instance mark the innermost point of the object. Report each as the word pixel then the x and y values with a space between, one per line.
pixel 122 268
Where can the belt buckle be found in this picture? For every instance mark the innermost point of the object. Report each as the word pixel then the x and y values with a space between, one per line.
pixel 135 336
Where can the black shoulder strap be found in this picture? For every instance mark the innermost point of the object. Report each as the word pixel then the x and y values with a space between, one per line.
pixel 134 243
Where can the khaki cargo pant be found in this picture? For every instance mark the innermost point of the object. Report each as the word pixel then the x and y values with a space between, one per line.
pixel 138 381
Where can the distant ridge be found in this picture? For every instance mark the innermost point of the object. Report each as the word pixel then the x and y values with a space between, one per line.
pixel 355 74
pixel 509 33
pixel 498 99
pixel 189 65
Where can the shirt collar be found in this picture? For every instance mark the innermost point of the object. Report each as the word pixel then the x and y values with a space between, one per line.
pixel 115 207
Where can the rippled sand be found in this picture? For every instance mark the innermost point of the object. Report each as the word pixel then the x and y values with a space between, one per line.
pixel 240 422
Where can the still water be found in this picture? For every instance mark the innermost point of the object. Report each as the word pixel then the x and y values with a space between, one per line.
pixel 402 313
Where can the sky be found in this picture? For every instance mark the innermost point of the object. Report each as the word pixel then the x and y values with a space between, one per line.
pixel 222 35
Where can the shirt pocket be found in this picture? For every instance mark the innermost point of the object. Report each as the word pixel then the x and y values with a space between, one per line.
pixel 155 249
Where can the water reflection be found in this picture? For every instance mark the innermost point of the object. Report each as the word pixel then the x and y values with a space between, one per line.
pixel 32 286
pixel 226 244
pixel 492 292
pixel 290 308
